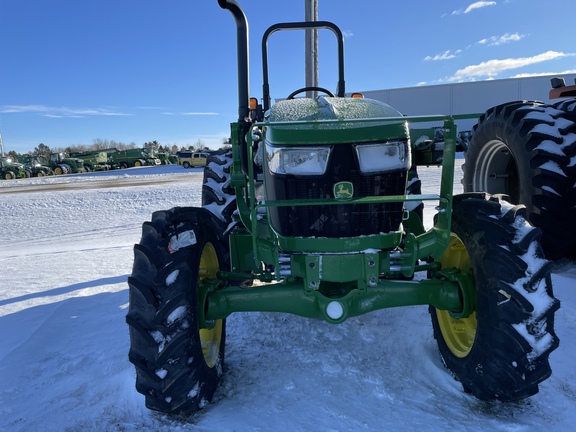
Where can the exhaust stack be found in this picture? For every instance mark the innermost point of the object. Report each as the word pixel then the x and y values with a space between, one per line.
pixel 242 54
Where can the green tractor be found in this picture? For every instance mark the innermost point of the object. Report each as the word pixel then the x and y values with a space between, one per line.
pixel 36 166
pixel 317 212
pixel 10 169
pixel 62 163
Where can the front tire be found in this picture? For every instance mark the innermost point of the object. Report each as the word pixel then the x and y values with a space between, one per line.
pixel 178 360
pixel 501 350
pixel 526 151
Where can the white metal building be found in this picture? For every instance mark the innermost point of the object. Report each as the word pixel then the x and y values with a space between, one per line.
pixel 466 98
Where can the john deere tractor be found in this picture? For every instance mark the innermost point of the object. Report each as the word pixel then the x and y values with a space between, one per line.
pixel 317 212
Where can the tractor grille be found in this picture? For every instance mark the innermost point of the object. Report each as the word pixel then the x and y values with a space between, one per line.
pixel 342 220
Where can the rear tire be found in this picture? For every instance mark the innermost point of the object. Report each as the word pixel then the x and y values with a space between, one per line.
pixel 527 150
pixel 217 195
pixel 568 106
pixel 178 363
pixel 501 350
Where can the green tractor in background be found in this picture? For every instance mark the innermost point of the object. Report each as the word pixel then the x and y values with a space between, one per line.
pixel 61 163
pixel 10 169
pixel 36 166
pixel 317 211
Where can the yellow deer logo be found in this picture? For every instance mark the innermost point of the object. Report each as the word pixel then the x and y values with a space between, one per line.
pixel 343 190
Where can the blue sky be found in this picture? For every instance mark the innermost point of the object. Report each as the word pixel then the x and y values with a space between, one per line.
pixel 140 70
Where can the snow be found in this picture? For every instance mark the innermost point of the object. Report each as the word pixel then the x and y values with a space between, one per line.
pixel 65 257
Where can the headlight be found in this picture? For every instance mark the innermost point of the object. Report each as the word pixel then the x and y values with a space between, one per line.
pixel 383 157
pixel 297 160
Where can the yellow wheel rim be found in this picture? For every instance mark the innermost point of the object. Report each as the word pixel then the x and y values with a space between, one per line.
pixel 459 334
pixel 210 339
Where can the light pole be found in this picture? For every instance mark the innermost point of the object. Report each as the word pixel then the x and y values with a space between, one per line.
pixel 311 60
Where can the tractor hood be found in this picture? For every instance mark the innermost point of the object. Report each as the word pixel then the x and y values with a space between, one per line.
pixel 329 108
pixel 351 120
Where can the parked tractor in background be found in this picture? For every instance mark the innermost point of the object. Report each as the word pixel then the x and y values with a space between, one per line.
pixel 319 202
pixel 134 158
pixel 93 160
pixel 167 158
pixel 61 163
pixel 10 169
pixel 527 150
pixel 36 166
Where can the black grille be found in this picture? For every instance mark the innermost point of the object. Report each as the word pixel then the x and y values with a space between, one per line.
pixel 342 220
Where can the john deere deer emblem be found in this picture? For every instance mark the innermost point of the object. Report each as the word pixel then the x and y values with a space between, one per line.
pixel 343 190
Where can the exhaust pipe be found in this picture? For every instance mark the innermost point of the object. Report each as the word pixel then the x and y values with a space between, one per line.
pixel 242 53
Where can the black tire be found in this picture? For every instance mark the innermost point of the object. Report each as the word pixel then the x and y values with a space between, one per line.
pixel 61 170
pixel 414 187
pixel 178 364
pixel 124 165
pixel 569 107
pixel 9 175
pixel 526 150
pixel 217 195
pixel 186 165
pixel 501 350
pixel 28 173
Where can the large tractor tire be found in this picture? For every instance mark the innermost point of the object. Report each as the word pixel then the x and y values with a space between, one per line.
pixel 62 169
pixel 569 107
pixel 178 360
pixel 500 351
pixel 414 187
pixel 9 175
pixel 527 150
pixel 217 195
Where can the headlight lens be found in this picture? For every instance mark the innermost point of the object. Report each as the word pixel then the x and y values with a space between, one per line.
pixel 383 157
pixel 297 160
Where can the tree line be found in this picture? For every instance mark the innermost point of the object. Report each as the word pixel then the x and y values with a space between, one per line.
pixel 102 144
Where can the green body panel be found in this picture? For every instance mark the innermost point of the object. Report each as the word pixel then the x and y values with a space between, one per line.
pixel 129 157
pixel 328 120
pixel 94 160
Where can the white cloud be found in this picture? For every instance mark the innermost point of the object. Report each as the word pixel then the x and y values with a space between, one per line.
pixel 474 6
pixel 59 112
pixel 528 75
pixel 347 34
pixel 499 40
pixel 492 68
pixel 446 55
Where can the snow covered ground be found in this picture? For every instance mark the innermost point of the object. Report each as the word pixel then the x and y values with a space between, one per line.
pixel 65 256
